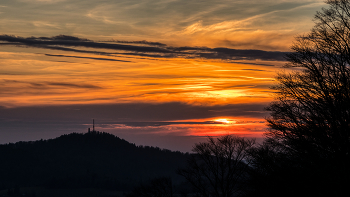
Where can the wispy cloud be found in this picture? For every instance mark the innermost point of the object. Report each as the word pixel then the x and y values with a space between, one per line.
pixel 246 24
pixel 88 86
pixel 150 49
pixel 43 1
pixel 93 58
pixel 48 85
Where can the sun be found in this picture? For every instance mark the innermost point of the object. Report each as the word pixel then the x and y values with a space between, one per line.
pixel 225 121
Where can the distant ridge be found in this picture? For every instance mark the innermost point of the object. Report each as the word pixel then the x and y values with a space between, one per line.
pixel 90 160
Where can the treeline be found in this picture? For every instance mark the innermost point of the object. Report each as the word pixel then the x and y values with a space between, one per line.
pixel 90 160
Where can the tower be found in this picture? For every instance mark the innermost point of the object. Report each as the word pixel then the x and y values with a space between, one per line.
pixel 93 126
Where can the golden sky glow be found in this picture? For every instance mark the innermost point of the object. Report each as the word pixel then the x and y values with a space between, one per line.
pixel 37 80
pixel 214 60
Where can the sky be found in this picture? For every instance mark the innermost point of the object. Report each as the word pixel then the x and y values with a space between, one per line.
pixel 166 73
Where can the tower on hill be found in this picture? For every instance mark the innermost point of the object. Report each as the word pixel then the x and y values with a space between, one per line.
pixel 93 126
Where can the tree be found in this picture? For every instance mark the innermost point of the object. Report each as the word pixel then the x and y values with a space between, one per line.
pixel 219 166
pixel 310 119
pixel 312 113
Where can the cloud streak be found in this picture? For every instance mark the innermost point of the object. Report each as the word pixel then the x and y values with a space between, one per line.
pixel 132 113
pixel 139 48
pixel 45 85
pixel 267 25
pixel 93 58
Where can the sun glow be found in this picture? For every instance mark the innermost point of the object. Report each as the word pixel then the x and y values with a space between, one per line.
pixel 224 121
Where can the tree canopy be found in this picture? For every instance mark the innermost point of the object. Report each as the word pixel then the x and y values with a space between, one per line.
pixel 312 112
pixel 308 142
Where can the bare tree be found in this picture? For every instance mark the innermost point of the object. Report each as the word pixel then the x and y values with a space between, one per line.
pixel 219 166
pixel 312 113
pixel 310 119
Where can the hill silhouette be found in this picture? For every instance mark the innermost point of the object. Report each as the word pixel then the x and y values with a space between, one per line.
pixel 89 160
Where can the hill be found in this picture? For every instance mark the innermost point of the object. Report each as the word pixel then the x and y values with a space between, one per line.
pixel 90 160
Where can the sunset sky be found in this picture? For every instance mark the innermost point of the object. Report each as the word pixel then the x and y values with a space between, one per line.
pixel 164 73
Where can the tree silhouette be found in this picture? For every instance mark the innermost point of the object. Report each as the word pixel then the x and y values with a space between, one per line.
pixel 219 166
pixel 312 113
pixel 310 120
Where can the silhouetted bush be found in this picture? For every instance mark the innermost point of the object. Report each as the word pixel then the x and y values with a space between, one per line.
pixel 219 166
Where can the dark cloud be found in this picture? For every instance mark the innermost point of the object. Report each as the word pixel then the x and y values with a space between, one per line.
pixel 44 85
pixel 60 37
pixel 37 42
pixel 139 48
pixel 157 124
pixel 250 69
pixel 130 112
pixel 82 57
pixel 88 86
pixel 251 54
pixel 139 42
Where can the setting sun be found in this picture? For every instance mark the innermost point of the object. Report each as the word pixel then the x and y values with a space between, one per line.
pixel 225 121
pixel 147 72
